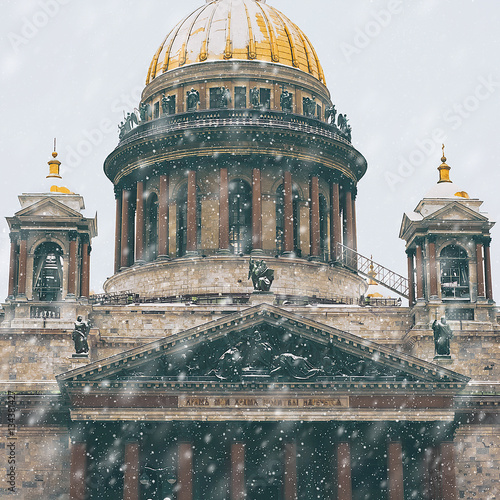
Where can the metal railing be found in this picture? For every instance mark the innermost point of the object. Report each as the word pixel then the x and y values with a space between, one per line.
pixel 363 265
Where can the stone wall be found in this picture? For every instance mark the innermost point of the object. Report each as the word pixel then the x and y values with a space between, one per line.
pixel 478 462
pixel 42 464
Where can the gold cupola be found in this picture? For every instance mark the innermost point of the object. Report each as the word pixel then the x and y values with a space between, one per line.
pixel 236 30
pixel 54 173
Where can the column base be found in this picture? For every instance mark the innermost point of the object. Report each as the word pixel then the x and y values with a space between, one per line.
pixel 138 263
pixel 224 251
pixel 257 251
pixel 163 257
pixel 192 253
pixel 289 255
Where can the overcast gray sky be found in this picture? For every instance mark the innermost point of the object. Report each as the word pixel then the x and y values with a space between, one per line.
pixel 406 73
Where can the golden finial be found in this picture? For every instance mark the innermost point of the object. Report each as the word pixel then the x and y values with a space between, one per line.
pixel 371 273
pixel 54 166
pixel 54 173
pixel 444 170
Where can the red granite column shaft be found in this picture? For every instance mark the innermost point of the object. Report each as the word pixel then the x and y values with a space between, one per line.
pixel 395 470
pixel 288 211
pixel 348 217
pixel 132 467
pixel 13 264
pixel 344 481
pixel 85 278
pixel 118 232
pixel 185 472
pixel 163 216
pixel 125 243
pixel 256 210
pixel 223 210
pixel 487 270
pixel 411 278
pixel 78 471
pixel 315 230
pixel 23 262
pixel 335 221
pixel 448 479
pixel 290 481
pixel 238 471
pixel 420 272
pixel 479 270
pixel 354 226
pixel 140 222
pixel 433 269
pixel 73 235
pixel 191 245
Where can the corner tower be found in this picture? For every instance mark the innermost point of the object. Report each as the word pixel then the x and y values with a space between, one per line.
pixel 51 242
pixel 236 149
pixel 448 247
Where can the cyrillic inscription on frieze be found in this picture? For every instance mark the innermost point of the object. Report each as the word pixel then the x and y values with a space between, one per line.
pixel 261 402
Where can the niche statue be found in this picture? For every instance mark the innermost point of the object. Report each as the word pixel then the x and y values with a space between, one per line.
pixel 80 336
pixel 442 336
pixel 262 277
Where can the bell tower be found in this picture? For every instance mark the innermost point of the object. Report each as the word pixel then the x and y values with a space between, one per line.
pixel 51 240
pixel 448 247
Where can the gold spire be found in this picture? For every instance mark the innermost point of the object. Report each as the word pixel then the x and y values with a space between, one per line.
pixel 444 170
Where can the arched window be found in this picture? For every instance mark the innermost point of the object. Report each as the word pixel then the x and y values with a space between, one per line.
pixel 323 227
pixel 48 272
pixel 240 217
pixel 152 227
pixel 454 273
pixel 280 220
pixel 181 202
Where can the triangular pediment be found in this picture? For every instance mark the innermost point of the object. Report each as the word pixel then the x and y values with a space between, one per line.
pixel 48 207
pixel 263 344
pixel 457 212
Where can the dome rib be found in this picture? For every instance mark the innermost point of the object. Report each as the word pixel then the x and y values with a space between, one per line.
pixel 206 42
pixel 247 29
pixel 275 55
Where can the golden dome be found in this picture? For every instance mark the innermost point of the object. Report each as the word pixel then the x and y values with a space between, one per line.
pixel 236 30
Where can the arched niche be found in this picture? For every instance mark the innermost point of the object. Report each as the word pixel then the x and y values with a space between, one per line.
pixel 48 272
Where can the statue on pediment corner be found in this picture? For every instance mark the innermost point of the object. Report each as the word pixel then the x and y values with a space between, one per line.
pixel 80 335
pixel 442 337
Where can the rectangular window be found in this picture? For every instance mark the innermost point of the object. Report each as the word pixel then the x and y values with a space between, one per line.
pixel 171 105
pixel 318 111
pixel 265 98
pixel 157 109
pixel 240 97
pixel 215 98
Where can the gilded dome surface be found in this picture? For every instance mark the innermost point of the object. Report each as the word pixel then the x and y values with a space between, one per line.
pixel 236 30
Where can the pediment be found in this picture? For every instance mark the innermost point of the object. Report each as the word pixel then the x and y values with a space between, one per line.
pixel 457 212
pixel 263 345
pixel 48 207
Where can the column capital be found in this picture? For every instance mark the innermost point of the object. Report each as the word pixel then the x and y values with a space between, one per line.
pixel 410 252
pixel 431 238
pixel 487 241
pixel 85 238
pixel 14 237
pixel 23 234
pixel 73 235
pixel 419 241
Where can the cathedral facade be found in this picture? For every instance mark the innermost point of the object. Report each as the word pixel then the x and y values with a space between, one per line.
pixel 237 351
